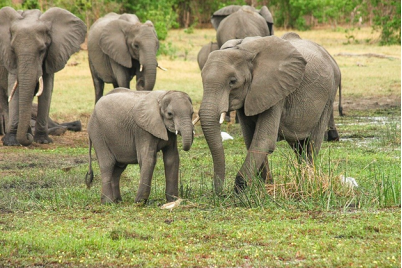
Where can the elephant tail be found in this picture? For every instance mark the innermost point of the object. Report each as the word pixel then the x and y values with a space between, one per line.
pixel 340 108
pixel 89 177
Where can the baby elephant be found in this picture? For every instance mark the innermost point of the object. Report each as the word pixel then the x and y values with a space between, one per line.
pixel 130 127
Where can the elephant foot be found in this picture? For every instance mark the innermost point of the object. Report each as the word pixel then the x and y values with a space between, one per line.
pixel 227 117
pixel 73 126
pixel 10 140
pixel 240 184
pixel 332 135
pixel 57 131
pixel 107 200
pixel 42 138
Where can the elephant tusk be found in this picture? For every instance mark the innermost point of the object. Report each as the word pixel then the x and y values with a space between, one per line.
pixel 163 69
pixel 177 132
pixel 193 132
pixel 40 91
pixel 140 67
pixel 13 91
pixel 195 121
pixel 222 118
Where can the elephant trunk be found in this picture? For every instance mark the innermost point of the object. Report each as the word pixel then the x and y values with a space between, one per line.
pixel 209 116
pixel 149 65
pixel 26 88
pixel 187 134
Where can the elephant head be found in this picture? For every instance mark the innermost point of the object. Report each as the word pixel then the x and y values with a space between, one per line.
pixel 128 41
pixel 161 111
pixel 33 45
pixel 222 13
pixel 251 75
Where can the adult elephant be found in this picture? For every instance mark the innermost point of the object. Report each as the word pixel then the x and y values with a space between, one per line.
pixel 202 55
pixel 33 46
pixel 238 22
pixel 119 48
pixel 279 87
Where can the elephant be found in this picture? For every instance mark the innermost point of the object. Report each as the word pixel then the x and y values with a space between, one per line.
pixel 280 87
pixel 54 128
pixel 130 127
pixel 119 48
pixel 33 47
pixel 204 52
pixel 238 22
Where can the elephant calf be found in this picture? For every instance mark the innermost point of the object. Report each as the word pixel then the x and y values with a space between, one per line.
pixel 130 127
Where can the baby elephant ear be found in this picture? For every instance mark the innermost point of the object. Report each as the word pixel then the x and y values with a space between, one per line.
pixel 278 70
pixel 148 115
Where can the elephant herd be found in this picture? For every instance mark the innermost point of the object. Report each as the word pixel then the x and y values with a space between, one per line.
pixel 282 88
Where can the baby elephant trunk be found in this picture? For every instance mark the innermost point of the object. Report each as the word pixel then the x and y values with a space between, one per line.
pixel 187 134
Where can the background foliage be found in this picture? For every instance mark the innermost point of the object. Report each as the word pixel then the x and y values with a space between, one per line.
pixel 382 15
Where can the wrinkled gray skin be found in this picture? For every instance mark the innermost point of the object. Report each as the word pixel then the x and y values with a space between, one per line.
pixel 3 100
pixel 54 128
pixel 238 22
pixel 117 46
pixel 279 87
pixel 34 45
pixel 204 52
pixel 130 127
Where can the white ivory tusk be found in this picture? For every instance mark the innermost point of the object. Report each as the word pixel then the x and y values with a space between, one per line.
pixel 222 118
pixel 13 91
pixel 193 132
pixel 163 69
pixel 140 67
pixel 40 91
pixel 195 121
pixel 177 132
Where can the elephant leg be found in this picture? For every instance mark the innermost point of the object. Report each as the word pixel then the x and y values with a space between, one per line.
pixel 147 164
pixel 248 128
pixel 263 142
pixel 99 84
pixel 115 182
pixel 171 163
pixel 10 139
pixel 121 74
pixel 303 150
pixel 72 126
pixel 41 126
pixel 317 135
pixel 308 148
pixel 332 134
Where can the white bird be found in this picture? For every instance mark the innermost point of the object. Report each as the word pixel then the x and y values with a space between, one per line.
pixel 349 181
pixel 172 205
pixel 225 136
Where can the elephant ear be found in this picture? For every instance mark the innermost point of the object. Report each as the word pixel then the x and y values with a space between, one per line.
pixel 266 14
pixel 222 13
pixel 113 42
pixel 148 114
pixel 7 57
pixel 278 70
pixel 67 34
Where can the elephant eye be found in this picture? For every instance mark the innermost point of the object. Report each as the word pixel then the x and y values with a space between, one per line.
pixel 232 81
pixel 135 46
pixel 170 114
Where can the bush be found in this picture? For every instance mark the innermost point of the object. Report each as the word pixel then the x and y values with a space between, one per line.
pixel 387 19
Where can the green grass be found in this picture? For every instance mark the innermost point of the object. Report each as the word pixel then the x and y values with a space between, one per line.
pixel 307 218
